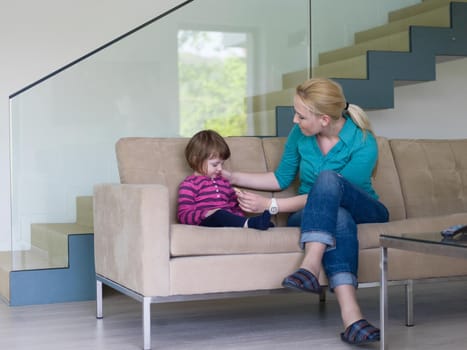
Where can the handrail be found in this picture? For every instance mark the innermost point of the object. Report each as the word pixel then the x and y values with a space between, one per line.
pixel 82 58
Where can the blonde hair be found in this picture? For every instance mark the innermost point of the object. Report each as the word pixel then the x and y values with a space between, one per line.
pixel 325 96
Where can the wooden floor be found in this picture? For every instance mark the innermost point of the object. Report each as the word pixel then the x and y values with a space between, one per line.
pixel 284 321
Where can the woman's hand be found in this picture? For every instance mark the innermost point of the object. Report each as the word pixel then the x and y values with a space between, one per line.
pixel 227 175
pixel 251 202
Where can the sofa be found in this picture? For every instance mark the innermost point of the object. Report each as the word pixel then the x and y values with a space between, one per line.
pixel 142 251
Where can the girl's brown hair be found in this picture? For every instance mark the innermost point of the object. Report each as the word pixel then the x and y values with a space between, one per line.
pixel 204 145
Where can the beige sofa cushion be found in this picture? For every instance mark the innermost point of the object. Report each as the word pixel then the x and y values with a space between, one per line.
pixel 153 160
pixel 231 273
pixel 386 181
pixel 189 240
pixel 433 175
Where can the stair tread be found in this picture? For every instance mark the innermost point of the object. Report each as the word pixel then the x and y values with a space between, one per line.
pixel 354 67
pixel 439 17
pixel 425 6
pixel 65 228
pixel 31 259
pixel 292 79
pixel 270 100
pixel 393 42
pixel 52 238
pixel 5 261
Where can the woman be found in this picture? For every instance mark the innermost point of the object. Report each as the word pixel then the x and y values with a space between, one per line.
pixel 334 151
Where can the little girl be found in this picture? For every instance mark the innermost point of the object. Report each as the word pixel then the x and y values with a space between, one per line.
pixel 206 198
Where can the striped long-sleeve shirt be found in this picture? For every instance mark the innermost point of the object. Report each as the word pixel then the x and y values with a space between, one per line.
pixel 199 194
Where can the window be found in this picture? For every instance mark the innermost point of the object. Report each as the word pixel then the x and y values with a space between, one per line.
pixel 212 68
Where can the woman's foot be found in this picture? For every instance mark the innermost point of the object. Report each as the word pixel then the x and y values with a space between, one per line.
pixel 360 332
pixel 303 280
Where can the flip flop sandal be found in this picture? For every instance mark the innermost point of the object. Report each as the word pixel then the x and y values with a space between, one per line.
pixel 360 332
pixel 302 280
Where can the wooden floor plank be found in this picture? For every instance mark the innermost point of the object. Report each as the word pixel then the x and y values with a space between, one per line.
pixel 283 321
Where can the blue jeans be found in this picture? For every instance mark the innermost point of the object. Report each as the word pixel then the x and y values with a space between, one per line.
pixel 333 209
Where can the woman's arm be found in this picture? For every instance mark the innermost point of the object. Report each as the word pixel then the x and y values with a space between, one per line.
pixel 257 181
pixel 280 179
pixel 254 203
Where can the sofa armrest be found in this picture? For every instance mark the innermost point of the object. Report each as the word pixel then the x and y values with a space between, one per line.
pixel 131 236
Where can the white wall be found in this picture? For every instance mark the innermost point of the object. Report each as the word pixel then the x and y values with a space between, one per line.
pixel 436 109
pixel 39 37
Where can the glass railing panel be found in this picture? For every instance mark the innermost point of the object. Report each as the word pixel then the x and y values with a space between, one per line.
pixel 184 72
pixel 334 25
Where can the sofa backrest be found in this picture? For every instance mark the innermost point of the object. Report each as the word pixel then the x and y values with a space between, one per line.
pixel 386 181
pixel 273 149
pixel 433 175
pixel 145 160
pixel 148 160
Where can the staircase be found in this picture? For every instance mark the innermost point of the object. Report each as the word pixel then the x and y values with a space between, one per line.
pixel 58 267
pixel 403 51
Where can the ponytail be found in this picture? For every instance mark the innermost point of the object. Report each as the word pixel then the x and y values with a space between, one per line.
pixel 359 117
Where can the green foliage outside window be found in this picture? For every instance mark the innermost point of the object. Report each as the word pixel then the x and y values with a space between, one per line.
pixel 212 94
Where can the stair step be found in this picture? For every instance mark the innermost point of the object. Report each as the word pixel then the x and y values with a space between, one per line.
pixel 413 10
pixel 269 101
pixel 53 239
pixel 73 282
pixel 84 214
pixel 34 258
pixel 31 259
pixel 394 42
pixel 292 79
pixel 264 122
pixel 439 17
pixel 354 67
pixel 5 268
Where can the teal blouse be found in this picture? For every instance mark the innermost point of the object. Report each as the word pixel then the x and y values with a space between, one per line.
pixel 354 157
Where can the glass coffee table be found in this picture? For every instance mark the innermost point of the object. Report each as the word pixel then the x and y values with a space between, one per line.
pixel 428 243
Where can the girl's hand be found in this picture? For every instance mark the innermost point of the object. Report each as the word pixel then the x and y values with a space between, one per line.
pixel 252 203
pixel 212 211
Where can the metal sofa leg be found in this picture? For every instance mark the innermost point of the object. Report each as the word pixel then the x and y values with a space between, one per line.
pixel 99 300
pixel 322 296
pixel 147 323
pixel 409 303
